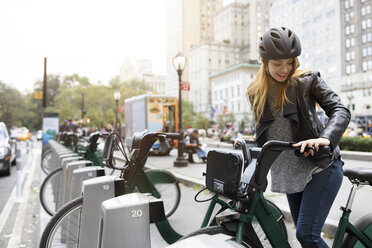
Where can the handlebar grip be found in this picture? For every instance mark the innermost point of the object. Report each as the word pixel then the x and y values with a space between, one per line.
pixel 298 152
pixel 173 135
pixel 322 150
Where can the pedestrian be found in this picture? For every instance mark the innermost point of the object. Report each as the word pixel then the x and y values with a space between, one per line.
pixel 192 142
pixel 71 127
pixel 370 129
pixel 63 127
pixel 284 101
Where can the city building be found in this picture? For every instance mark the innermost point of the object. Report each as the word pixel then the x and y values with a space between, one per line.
pixel 156 82
pixel 143 72
pixel 356 58
pixel 229 87
pixel 143 66
pixel 237 29
pixel 188 23
pixel 127 71
pixel 319 32
pixel 204 59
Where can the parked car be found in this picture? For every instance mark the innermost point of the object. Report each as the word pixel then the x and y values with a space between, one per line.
pixel 7 150
pixel 39 135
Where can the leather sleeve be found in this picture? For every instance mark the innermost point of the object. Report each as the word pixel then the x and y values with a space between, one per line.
pixel 339 116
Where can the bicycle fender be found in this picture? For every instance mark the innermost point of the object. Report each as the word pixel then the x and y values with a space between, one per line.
pixel 161 176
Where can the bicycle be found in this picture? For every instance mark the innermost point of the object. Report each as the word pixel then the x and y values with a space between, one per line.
pixel 252 204
pixel 135 177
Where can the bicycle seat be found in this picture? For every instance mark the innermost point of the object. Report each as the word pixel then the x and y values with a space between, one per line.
pixel 361 174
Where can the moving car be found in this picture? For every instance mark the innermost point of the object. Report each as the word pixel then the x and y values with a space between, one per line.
pixel 39 135
pixel 7 150
pixel 21 133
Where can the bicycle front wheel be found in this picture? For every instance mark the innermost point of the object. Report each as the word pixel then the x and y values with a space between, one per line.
pixel 167 186
pixel 257 227
pixel 50 191
pixel 170 193
pixel 46 164
pixel 364 225
pixel 211 230
pixel 64 227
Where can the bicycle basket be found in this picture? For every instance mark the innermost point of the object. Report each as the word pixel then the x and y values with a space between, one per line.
pixel 223 173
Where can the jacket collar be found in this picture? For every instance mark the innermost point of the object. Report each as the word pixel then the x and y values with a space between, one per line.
pixel 289 111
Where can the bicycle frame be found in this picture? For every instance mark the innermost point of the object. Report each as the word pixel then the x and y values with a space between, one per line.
pixel 260 209
pixel 345 226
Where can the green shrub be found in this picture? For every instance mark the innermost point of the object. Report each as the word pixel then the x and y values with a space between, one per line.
pixel 356 144
pixel 227 138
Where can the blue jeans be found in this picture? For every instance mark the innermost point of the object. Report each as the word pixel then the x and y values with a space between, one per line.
pixel 310 208
pixel 200 152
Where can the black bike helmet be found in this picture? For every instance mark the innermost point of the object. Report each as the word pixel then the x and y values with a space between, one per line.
pixel 279 43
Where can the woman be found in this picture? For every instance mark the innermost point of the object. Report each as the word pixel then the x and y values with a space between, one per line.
pixel 284 100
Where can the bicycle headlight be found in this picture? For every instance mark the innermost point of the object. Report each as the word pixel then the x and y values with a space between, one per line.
pixel 3 152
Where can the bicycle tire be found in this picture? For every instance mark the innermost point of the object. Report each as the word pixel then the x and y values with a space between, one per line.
pixel 363 224
pixel 170 194
pixel 168 187
pixel 211 230
pixel 49 191
pixel 55 233
pixel 45 165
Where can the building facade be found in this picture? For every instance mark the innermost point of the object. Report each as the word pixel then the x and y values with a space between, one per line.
pixel 319 32
pixel 235 43
pixel 356 56
pixel 204 59
pixel 156 82
pixel 127 71
pixel 229 88
pixel 188 23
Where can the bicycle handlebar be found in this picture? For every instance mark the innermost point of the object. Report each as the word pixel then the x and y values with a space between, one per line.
pixel 267 155
pixel 173 135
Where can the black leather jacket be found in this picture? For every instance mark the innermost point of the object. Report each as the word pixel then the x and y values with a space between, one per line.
pixel 303 94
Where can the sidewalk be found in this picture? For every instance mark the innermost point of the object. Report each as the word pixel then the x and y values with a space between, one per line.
pixel 193 175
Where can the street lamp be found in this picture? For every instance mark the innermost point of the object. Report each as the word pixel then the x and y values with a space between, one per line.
pixel 179 62
pixel 82 106
pixel 117 98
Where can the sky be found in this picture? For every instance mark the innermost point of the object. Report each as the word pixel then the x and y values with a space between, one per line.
pixel 88 37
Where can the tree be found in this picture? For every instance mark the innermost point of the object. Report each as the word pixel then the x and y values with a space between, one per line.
pixel 188 114
pixel 11 105
pixel 201 122
pixel 53 84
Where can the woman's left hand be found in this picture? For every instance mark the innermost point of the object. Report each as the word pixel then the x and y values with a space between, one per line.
pixel 316 143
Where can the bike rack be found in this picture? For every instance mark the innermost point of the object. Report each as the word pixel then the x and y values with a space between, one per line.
pixel 125 220
pixel 95 191
pixel 69 169
pixel 82 174
pixel 63 187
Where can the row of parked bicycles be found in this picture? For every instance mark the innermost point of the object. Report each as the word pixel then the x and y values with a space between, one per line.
pixel 91 207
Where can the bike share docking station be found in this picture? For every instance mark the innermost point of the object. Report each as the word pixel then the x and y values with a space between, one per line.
pixel 95 191
pixel 132 212
pixel 81 174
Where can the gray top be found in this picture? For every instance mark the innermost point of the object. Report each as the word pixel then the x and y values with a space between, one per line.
pixel 289 173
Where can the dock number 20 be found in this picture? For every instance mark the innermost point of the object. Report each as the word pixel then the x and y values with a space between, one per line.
pixel 136 213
